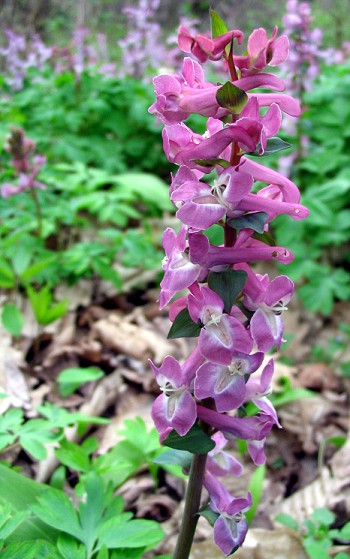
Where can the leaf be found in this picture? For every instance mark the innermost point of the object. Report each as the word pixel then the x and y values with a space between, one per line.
pixel 108 273
pixel 174 457
pixel 272 146
pixel 20 492
pixel 323 516
pixel 55 509
pixel 69 548
pixel 12 319
pixel 288 521
pixel 41 301
pixel 195 441
pixel 212 162
pixel 7 277
pixel 231 98
pixel 38 267
pixel 148 187
pixel 70 379
pixel 209 515
pixel 33 549
pixel 265 237
pixel 228 285
pixel 256 488
pixel 217 25
pixel 183 326
pixel 131 534
pixel 73 456
pixel 255 221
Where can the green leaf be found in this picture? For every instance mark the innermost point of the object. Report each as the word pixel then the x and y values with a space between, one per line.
pixel 33 549
pixel 323 516
pixel 315 550
pixel 183 326
pixel 217 25
pixel 55 509
pixel 70 379
pixel 209 515
pixel 272 146
pixel 73 456
pixel 255 221
pixel 287 520
pixel 12 319
pixel 135 533
pixel 108 273
pixel 41 301
pixel 256 488
pixel 38 267
pixel 174 457
pixel 20 492
pixel 7 277
pixel 228 285
pixel 231 98
pixel 69 548
pixel 195 441
pixel 265 237
pixel 212 162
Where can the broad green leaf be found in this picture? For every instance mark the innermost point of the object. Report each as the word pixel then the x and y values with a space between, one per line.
pixel 183 326
pixel 70 379
pixel 255 221
pixel 20 258
pixel 135 533
pixel 12 319
pixel 21 492
pixel 174 457
pixel 92 508
pixel 217 25
pixel 256 488
pixel 272 146
pixel 195 441
pixel 55 509
pixel 228 285
pixel 315 550
pixel 231 98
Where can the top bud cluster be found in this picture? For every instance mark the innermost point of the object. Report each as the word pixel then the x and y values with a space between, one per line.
pixel 236 313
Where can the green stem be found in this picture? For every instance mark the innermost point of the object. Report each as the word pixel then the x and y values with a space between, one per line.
pixel 192 503
pixel 39 214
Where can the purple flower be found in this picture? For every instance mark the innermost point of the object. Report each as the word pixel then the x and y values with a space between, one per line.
pixel 175 408
pixel 221 463
pixel 247 428
pixel 226 383
pixel 230 528
pixel 268 300
pixel 258 388
pixel 221 333
pixel 180 272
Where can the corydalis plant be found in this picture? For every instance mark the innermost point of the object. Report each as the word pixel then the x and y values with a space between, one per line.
pixel 235 313
pixel 26 167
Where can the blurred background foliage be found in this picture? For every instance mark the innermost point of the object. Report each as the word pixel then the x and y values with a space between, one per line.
pixel 81 91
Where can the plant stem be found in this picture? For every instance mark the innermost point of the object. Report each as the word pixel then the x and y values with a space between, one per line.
pixel 39 215
pixel 192 503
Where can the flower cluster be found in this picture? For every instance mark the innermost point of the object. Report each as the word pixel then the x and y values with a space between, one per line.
pixel 235 312
pixel 305 47
pixel 26 166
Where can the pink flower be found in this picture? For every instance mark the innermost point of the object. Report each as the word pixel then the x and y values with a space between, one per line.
pixel 203 47
pixel 221 333
pixel 263 51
